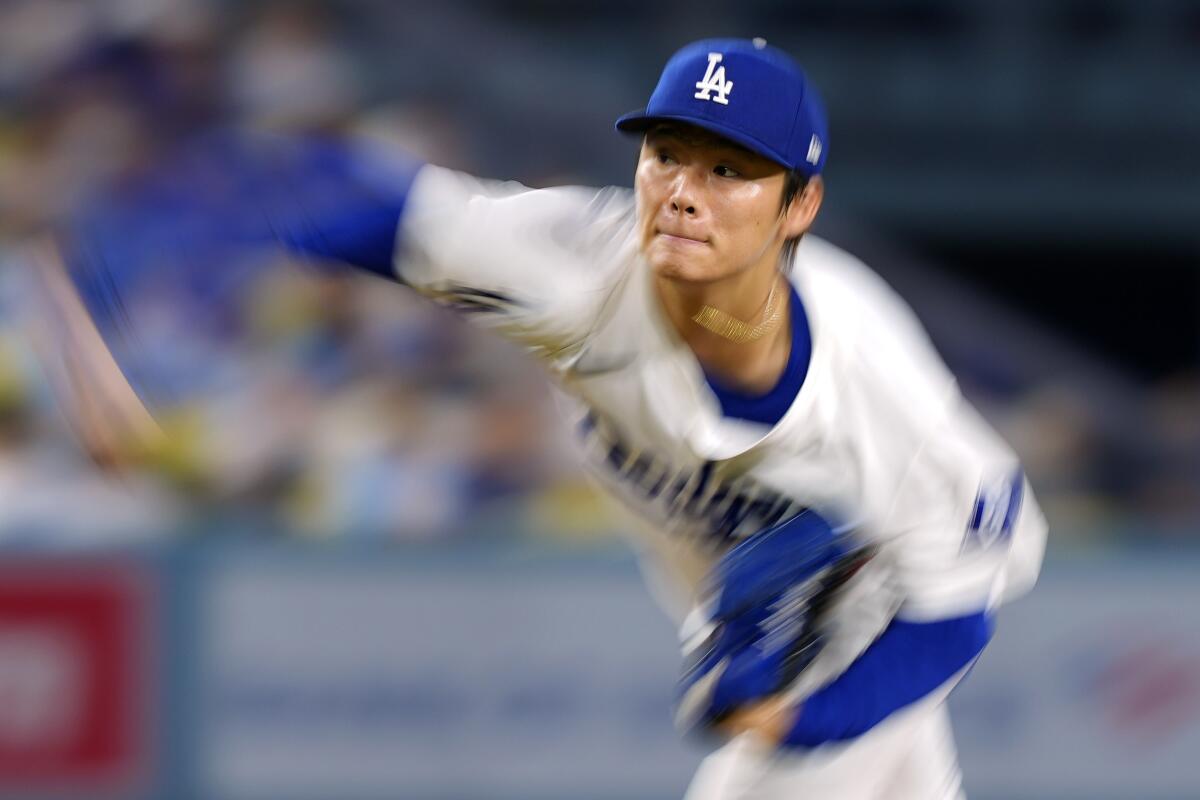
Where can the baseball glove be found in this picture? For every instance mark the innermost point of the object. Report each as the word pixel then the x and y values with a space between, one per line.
pixel 759 625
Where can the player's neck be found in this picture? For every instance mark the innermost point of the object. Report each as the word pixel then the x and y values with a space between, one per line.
pixel 749 364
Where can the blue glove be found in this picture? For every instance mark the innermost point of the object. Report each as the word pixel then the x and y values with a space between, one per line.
pixel 763 599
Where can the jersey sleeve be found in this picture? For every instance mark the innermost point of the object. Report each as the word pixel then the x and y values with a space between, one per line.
pixel 946 499
pixel 965 532
pixel 909 661
pixel 334 200
pixel 964 535
pixel 537 266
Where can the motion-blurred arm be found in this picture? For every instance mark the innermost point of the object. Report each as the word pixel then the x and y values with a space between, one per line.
pixel 112 424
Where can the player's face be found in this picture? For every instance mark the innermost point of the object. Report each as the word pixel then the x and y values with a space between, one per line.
pixel 707 209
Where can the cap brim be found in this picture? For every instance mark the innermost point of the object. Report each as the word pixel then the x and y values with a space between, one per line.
pixel 640 121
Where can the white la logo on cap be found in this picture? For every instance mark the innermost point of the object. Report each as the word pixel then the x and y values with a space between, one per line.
pixel 714 81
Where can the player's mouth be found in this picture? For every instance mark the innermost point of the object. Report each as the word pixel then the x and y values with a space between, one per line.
pixel 679 238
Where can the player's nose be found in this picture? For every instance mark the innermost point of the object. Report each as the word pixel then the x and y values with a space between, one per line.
pixel 684 194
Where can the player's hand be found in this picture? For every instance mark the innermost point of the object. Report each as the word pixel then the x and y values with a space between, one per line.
pixel 768 720
pixel 110 421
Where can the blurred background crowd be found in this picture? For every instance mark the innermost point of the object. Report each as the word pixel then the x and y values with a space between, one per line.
pixel 1024 173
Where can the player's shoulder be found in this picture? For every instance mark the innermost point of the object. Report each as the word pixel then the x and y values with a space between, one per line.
pixel 877 347
pixel 540 264
pixel 844 288
pixel 566 235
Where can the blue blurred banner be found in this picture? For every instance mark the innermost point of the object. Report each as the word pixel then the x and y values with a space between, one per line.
pixel 1091 688
pixel 372 679
pixel 499 672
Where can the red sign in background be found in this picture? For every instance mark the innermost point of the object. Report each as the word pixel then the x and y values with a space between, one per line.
pixel 75 684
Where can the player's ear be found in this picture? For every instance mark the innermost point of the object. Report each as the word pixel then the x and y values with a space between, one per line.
pixel 799 215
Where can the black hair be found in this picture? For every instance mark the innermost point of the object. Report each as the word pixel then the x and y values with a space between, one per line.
pixel 793 185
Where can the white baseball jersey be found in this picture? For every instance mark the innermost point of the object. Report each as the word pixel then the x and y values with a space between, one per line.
pixel 879 436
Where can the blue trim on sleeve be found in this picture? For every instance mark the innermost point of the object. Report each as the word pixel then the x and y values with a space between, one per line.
pixel 769 408
pixel 907 662
pixel 362 234
pixel 344 203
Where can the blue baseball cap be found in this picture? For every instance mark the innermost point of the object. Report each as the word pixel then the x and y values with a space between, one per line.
pixel 746 91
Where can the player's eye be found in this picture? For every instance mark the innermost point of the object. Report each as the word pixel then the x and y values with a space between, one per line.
pixel 726 171
pixel 665 158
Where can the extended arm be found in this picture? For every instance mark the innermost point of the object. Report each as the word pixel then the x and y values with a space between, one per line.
pixel 967 534
pixel 909 661
pixel 533 265
pixel 112 424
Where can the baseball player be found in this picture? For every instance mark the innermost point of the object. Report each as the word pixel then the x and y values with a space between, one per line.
pixel 833 526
